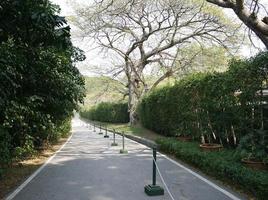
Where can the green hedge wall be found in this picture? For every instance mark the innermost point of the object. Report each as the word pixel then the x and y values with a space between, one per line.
pixel 222 107
pixel 108 112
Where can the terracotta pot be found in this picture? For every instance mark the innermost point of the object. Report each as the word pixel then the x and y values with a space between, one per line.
pixel 184 138
pixel 253 164
pixel 210 147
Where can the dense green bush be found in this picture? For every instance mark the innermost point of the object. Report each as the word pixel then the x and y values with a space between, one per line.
pixel 62 130
pixel 224 165
pixel 108 112
pixel 40 85
pixel 220 107
pixel 5 147
pixel 254 146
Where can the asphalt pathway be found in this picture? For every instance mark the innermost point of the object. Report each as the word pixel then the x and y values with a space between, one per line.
pixel 89 168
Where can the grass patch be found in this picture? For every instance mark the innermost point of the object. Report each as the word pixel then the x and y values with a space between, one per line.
pixel 136 130
pixel 17 172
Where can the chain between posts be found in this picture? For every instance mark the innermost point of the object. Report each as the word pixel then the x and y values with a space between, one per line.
pixel 155 166
pixel 162 179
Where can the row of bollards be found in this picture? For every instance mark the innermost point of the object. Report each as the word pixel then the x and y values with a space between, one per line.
pixel 123 150
pixel 151 189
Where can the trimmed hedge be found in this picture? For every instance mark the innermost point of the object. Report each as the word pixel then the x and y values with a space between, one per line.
pixel 218 106
pixel 108 112
pixel 224 165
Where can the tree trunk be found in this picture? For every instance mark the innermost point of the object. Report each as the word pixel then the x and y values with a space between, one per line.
pixel 132 107
pixel 132 111
pixel 132 102
pixel 133 117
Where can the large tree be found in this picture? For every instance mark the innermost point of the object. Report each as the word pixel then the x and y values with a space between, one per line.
pixel 40 85
pixel 148 34
pixel 248 11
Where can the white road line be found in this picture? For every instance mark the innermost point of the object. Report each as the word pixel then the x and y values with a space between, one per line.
pixel 25 183
pixel 225 192
pixel 202 178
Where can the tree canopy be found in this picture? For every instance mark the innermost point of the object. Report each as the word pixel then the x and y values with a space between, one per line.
pixel 249 12
pixel 145 34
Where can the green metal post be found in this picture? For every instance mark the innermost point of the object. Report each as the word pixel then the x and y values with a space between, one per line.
pixel 94 128
pixel 123 141
pixel 100 131
pixel 154 166
pixel 123 144
pixel 114 144
pixel 153 189
pixel 106 135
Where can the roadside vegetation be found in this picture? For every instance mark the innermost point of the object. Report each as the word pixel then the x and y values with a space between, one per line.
pixel 228 109
pixel 40 85
pixel 108 112
pixel 168 78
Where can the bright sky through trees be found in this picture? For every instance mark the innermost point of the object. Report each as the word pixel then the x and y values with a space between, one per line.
pixel 93 56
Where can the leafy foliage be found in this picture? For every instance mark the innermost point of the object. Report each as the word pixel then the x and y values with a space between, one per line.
pixel 40 86
pixel 5 145
pixel 221 107
pixel 108 112
pixel 254 146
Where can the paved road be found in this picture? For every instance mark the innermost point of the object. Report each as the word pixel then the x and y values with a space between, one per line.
pixel 88 168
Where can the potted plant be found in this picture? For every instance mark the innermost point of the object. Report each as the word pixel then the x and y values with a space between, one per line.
pixel 210 147
pixel 183 135
pixel 209 138
pixel 207 144
pixel 253 148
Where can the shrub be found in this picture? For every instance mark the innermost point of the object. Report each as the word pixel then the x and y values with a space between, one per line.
pixel 61 130
pixel 5 147
pixel 25 150
pixel 218 106
pixel 224 165
pixel 254 146
pixel 108 112
pixel 40 85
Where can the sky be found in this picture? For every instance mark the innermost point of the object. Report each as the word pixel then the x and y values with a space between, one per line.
pixel 93 57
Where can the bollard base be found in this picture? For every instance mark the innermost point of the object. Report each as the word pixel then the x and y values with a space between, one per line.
pixel 106 136
pixel 153 190
pixel 114 144
pixel 123 151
